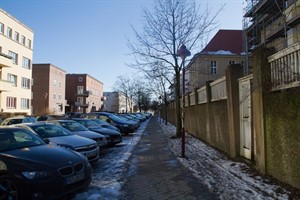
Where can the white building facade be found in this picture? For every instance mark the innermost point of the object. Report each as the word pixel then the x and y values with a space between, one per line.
pixel 16 50
pixel 116 102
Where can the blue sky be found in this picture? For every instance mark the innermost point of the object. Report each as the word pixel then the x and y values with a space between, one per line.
pixel 89 36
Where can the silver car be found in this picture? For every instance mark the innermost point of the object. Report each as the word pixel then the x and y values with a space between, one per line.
pixel 62 137
pixel 80 130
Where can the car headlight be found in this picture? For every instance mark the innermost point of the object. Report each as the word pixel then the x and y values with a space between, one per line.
pixel 36 175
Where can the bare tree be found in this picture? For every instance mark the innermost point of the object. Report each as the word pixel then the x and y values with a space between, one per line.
pixel 159 80
pixel 168 26
pixel 124 86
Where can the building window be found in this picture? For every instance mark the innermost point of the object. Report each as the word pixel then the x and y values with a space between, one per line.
pixel 80 79
pixel 54 96
pixel 80 89
pixel 23 39
pixel 25 83
pixel 59 97
pixel 29 43
pixel 26 63
pixel 24 103
pixel 16 37
pixel 59 84
pixel 1 28
pixel 11 102
pixel 14 57
pixel 9 32
pixel 213 67
pixel 13 79
pixel 54 82
pixel 80 100
pixel 231 62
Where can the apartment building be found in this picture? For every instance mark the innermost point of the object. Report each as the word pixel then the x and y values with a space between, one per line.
pixel 275 25
pixel 116 102
pixel 225 48
pixel 84 93
pixel 16 50
pixel 48 89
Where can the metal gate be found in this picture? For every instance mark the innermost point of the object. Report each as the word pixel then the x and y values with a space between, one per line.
pixel 246 136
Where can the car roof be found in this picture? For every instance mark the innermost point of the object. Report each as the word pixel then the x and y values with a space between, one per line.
pixel 61 120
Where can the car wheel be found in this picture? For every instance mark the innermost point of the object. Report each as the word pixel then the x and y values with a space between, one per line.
pixel 9 188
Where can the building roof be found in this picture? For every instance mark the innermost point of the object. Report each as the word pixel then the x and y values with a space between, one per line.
pixel 225 42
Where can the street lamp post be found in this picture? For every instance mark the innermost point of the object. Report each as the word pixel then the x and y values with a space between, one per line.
pixel 183 53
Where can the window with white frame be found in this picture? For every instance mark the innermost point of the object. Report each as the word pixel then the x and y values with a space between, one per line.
pixel 26 63
pixel 59 97
pixel 16 36
pixel 11 102
pixel 54 82
pixel 25 83
pixel 80 89
pixel 54 96
pixel 14 57
pixel 1 28
pixel 213 67
pixel 13 79
pixel 29 43
pixel 231 62
pixel 59 84
pixel 23 39
pixel 24 103
pixel 9 32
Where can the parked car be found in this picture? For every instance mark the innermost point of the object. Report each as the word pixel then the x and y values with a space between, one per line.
pixel 114 137
pixel 32 169
pixel 129 118
pixel 50 117
pixel 80 130
pixel 105 124
pixel 124 126
pixel 18 120
pixel 64 138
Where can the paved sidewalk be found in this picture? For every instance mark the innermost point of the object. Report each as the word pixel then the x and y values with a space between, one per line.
pixel 155 173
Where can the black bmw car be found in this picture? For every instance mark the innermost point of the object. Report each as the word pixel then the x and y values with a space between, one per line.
pixel 32 169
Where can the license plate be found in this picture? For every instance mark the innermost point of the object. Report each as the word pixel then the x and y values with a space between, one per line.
pixel 75 178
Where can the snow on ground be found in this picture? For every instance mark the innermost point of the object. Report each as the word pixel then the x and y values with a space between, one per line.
pixel 228 179
pixel 110 169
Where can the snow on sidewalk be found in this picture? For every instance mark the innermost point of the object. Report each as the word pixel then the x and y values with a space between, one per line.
pixel 227 178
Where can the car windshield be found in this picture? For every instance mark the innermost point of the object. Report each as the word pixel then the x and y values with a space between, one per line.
pixel 116 118
pixel 73 126
pixel 18 138
pixel 100 122
pixel 87 123
pixel 50 130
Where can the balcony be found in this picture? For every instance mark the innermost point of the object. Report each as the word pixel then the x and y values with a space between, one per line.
pixel 285 68
pixel 83 93
pixel 5 60
pixel 5 86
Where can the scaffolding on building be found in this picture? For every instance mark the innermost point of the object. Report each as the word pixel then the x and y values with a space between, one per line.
pixel 270 23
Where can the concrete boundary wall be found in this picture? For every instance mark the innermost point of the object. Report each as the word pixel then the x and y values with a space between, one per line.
pixel 212 114
pixel 207 109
